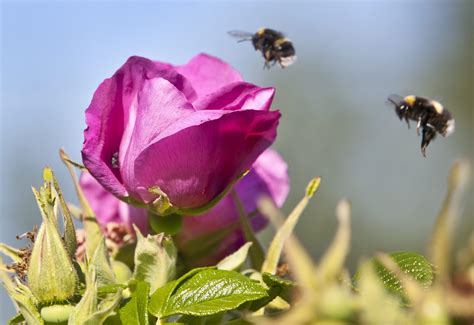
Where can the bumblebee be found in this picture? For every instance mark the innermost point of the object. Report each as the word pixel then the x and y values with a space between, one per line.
pixel 430 116
pixel 275 47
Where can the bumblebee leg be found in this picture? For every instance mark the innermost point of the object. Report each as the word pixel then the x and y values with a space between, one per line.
pixel 428 135
pixel 408 122
pixel 418 125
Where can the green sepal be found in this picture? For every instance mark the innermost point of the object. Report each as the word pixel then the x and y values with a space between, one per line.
pixel 70 239
pixel 91 227
pixel 170 224
pixel 90 310
pixel 285 231
pixel 17 319
pixel 25 302
pixel 235 260
pixel 101 263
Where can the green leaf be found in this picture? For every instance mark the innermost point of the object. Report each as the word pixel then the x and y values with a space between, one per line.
pixel 155 259
pixel 410 263
pixel 284 286
pixel 136 310
pixel 276 287
pixel 206 292
pixel 159 298
pixel 284 232
pixel 377 304
pixel 236 259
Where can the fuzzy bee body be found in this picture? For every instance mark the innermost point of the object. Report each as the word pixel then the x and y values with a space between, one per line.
pixel 431 116
pixel 273 45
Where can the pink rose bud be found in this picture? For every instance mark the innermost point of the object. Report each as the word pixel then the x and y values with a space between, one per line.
pixel 175 137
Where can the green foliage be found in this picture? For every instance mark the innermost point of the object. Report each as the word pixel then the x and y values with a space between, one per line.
pixel 284 232
pixel 205 292
pixel 396 288
pixel 236 259
pixel 283 286
pixel 410 263
pixel 136 310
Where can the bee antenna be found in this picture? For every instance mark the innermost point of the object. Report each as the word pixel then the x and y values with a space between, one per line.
pixel 392 101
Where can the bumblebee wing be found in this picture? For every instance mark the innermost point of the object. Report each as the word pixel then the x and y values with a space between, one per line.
pixel 241 35
pixel 396 100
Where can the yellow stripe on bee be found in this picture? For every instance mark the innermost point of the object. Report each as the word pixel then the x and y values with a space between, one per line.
pixel 261 31
pixel 410 100
pixel 281 41
pixel 437 106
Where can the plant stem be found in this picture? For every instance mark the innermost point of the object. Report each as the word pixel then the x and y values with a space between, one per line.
pixel 257 255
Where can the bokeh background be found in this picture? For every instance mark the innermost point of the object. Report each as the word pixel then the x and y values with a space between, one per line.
pixel 336 123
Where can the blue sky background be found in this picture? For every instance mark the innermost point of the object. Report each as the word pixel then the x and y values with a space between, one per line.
pixel 335 123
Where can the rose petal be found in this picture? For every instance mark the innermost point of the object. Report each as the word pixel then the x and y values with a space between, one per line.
pixel 237 96
pixel 112 110
pixel 269 176
pixel 197 163
pixel 207 74
pixel 159 105
pixel 104 119
pixel 273 171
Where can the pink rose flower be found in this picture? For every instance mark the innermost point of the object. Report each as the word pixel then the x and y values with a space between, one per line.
pixel 185 132
pixel 207 238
